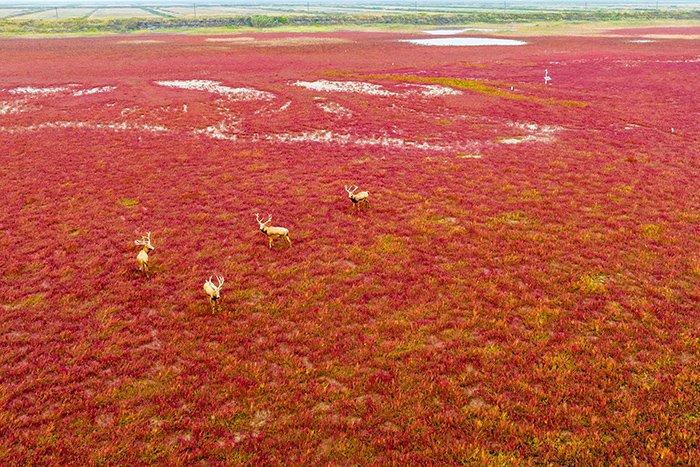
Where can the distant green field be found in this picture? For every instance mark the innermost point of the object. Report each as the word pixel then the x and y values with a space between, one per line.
pixel 48 21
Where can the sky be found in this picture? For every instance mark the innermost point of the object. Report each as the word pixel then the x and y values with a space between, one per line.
pixel 423 3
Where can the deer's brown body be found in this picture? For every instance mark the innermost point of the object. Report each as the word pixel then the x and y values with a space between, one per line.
pixel 142 256
pixel 358 199
pixel 213 291
pixel 273 233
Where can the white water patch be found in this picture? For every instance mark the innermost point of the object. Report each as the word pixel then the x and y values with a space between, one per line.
pixel 453 32
pixel 285 106
pixel 317 136
pixel 334 108
pixel 469 156
pixel 120 126
pixel 627 63
pixel 90 91
pixel 215 87
pixel 641 41
pixel 399 143
pixel 34 91
pixel 230 39
pixel 534 127
pixel 358 87
pixel 526 139
pixel 536 133
pixel 224 130
pixel 463 41
pixel 127 110
pixel 330 137
pixel 434 90
pixel 692 60
pixel 10 108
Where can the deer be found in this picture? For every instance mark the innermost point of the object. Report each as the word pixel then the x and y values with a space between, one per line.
pixel 213 291
pixel 272 233
pixel 547 78
pixel 361 198
pixel 142 256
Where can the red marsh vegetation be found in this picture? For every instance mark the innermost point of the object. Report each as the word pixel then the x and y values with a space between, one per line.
pixel 522 288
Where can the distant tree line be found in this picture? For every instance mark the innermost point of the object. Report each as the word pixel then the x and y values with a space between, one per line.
pixel 48 26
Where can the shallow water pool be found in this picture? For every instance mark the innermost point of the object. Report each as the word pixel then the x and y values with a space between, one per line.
pixel 463 41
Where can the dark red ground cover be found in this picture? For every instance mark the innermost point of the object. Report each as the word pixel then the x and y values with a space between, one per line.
pixel 536 304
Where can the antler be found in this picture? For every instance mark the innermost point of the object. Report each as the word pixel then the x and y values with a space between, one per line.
pixel 351 189
pixel 257 218
pixel 145 240
pixel 218 278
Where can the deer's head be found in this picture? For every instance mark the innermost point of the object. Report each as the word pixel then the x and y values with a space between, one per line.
pixel 215 290
pixel 263 225
pixel 145 242
pixel 351 190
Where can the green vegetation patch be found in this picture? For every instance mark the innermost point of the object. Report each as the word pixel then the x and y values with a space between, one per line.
pixel 30 301
pixel 129 202
pixel 593 284
pixel 651 231
pixel 166 21
pixel 477 86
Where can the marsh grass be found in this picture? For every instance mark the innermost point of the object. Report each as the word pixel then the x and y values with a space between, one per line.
pixel 129 202
pixel 476 85
pixel 593 283
pixel 509 218
pixel 651 231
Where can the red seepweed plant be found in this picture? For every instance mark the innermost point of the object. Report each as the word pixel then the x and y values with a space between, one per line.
pixel 524 288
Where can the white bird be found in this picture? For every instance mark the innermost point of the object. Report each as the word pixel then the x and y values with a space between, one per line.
pixel 547 78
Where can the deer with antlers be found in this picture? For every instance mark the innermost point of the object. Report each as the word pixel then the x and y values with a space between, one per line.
pixel 272 233
pixel 142 257
pixel 358 199
pixel 214 291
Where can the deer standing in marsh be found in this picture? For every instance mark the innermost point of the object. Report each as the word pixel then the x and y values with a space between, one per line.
pixel 272 233
pixel 142 257
pixel 358 199
pixel 214 291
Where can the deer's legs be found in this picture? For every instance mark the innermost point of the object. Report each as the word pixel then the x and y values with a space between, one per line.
pixel 286 237
pixel 269 241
